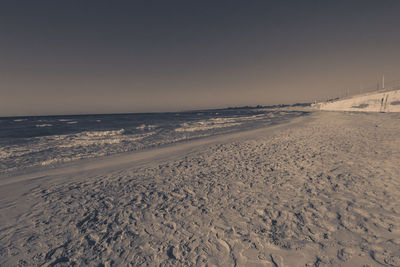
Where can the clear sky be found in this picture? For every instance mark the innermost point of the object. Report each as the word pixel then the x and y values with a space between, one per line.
pixel 69 57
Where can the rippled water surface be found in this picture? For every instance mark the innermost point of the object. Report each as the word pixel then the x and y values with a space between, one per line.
pixel 49 140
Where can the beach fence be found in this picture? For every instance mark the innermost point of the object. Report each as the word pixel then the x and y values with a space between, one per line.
pixel 381 86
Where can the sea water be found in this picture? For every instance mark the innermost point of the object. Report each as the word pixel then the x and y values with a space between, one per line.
pixel 47 141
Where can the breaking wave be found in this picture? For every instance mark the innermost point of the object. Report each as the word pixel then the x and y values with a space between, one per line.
pixel 48 140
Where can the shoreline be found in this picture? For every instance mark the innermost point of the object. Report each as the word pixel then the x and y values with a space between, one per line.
pixel 321 189
pixel 25 166
pixel 140 157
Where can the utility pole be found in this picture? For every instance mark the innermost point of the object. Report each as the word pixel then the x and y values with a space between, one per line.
pixel 383 81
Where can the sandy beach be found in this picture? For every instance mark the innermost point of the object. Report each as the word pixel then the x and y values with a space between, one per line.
pixel 323 190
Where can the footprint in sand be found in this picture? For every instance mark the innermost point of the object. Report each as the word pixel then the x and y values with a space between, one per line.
pixel 277 260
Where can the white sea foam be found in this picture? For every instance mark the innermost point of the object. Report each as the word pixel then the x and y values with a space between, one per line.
pixel 102 133
pixel 89 142
pixel 100 138
pixel 19 120
pixel 146 127
pixel 5 154
pixel 48 150
pixel 68 121
pixel 44 125
pixel 56 160
pixel 202 127
pixel 216 123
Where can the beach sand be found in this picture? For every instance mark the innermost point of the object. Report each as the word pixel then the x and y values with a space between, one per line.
pixel 321 191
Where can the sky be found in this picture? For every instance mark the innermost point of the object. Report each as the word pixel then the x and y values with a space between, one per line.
pixel 81 57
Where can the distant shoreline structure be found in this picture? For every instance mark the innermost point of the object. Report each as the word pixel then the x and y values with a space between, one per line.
pixel 306 104
pixel 379 101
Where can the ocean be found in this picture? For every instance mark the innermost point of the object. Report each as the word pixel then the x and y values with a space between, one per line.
pixel 48 141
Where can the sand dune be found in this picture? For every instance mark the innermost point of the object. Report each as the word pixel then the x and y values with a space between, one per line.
pixel 321 193
pixel 385 101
